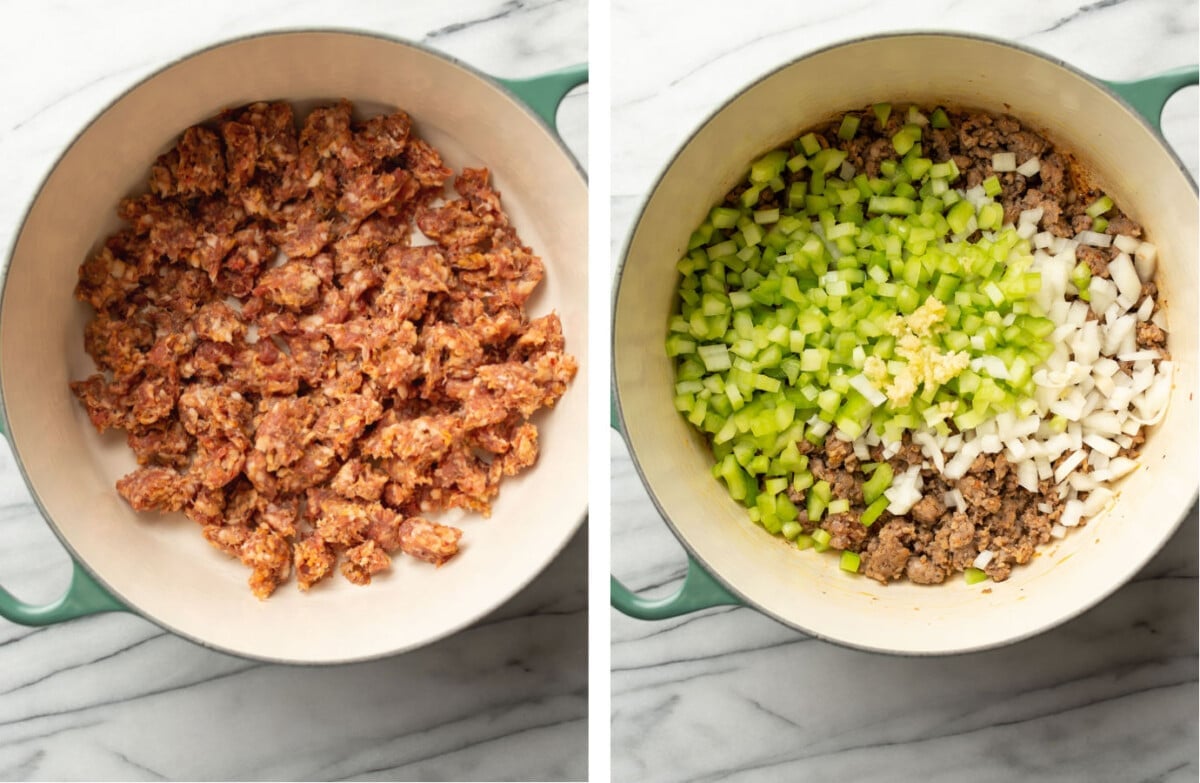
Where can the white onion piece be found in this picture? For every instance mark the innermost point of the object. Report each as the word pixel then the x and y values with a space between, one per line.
pixel 1126 243
pixel 1093 239
pixel 1147 251
pixel 1072 513
pixel 1125 276
pixel 1103 293
pixel 1101 444
pixel 1097 500
pixel 983 559
pixel 1069 464
pixel 905 491
pixel 1118 330
pixel 1146 309
pixel 1033 216
pixel 1030 167
pixel 1120 467
pixel 1145 268
pixel 1058 531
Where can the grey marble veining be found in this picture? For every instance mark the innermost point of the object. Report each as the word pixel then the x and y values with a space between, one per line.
pixel 115 697
pixel 729 694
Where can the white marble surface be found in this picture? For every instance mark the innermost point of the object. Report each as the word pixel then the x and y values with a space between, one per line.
pixel 113 696
pixel 730 694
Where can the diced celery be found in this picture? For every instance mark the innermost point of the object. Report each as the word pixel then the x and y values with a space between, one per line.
pixel 974 576
pixel 768 167
pixel 750 195
pixel 809 144
pixel 880 480
pixel 873 511
pixel 939 119
pixel 839 506
pixel 1099 207
pixel 724 217
pixel 959 215
pixel 826 161
pixel 850 561
pixel 906 138
pixel 882 112
pixel 849 127
pixel 891 205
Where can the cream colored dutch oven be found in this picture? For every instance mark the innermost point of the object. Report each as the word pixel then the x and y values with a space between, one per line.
pixel 161 567
pixel 1112 127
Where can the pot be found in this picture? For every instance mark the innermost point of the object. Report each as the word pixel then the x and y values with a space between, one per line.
pixel 1113 128
pixel 160 567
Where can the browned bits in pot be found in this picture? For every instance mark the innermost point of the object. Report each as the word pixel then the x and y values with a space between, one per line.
pixel 291 372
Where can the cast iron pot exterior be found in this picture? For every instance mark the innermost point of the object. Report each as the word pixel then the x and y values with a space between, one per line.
pixel 807 591
pixel 161 567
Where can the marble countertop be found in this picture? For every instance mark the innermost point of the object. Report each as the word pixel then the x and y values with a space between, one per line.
pixel 115 697
pixel 729 694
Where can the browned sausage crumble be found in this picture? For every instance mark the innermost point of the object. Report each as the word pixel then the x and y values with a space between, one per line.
pixel 932 542
pixel 291 371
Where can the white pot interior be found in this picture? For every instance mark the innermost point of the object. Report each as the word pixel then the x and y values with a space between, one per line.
pixel 162 566
pixel 806 590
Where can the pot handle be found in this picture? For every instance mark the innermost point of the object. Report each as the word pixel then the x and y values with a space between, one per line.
pixel 544 93
pixel 1148 96
pixel 84 596
pixel 700 590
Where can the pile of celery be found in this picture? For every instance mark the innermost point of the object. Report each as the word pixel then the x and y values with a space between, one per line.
pixel 873 305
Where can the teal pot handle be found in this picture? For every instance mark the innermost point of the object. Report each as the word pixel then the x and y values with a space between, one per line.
pixel 1148 96
pixel 544 93
pixel 84 596
pixel 698 591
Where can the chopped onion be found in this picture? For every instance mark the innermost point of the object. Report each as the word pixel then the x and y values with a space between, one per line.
pixel 1004 161
pixel 1093 239
pixel 1125 276
pixel 1126 244
pixel 1146 309
pixel 1120 467
pixel 1030 167
pixel 1072 513
pixel 1069 464
pixel 983 559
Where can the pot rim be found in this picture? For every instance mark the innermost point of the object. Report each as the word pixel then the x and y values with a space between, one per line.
pixel 348 32
pixel 618 415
